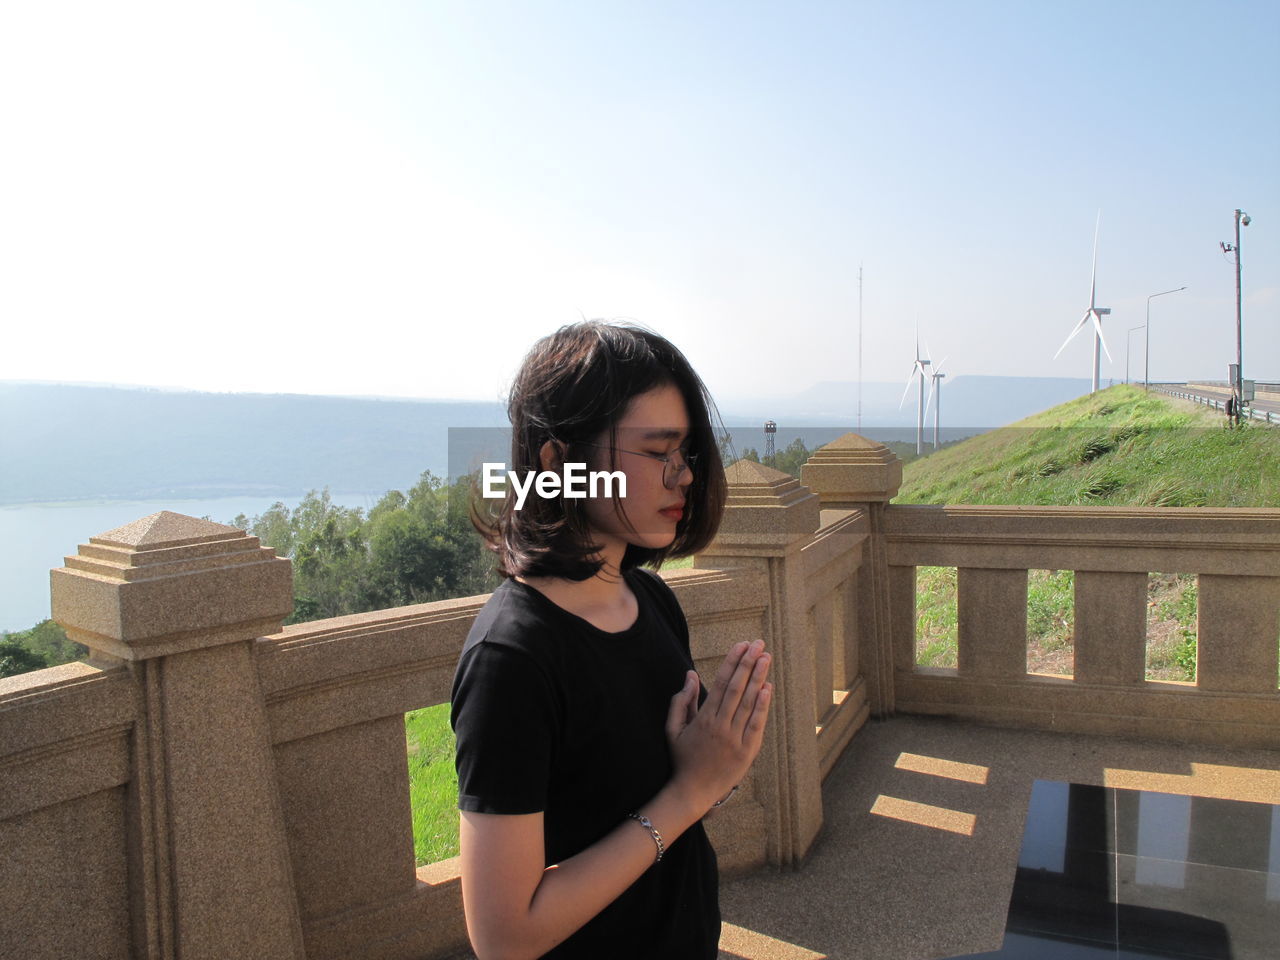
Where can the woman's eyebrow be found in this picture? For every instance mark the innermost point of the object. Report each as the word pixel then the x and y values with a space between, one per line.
pixel 669 433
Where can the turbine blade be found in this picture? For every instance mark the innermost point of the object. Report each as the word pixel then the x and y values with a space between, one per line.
pixel 938 369
pixel 1097 325
pixel 1093 279
pixel 1078 327
pixel 908 389
pixel 933 382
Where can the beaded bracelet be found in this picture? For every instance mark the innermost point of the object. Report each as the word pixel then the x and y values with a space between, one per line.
pixel 653 832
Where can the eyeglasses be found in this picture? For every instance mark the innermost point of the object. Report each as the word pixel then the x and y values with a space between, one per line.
pixel 670 469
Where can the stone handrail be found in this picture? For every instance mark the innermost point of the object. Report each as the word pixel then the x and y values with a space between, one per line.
pixel 1235 554
pixel 195 770
pixel 210 785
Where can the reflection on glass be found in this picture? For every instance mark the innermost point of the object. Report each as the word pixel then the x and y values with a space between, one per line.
pixel 1164 832
pixel 1044 840
pixel 1273 857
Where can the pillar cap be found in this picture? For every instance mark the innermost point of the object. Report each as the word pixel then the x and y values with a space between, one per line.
pixel 765 508
pixel 168 582
pixel 852 469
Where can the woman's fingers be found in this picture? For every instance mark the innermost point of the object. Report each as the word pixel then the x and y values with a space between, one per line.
pixel 691 705
pixel 739 680
pixel 751 693
pixel 679 713
pixel 758 718
pixel 720 684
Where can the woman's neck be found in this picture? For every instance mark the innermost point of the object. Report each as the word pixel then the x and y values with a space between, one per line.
pixel 604 600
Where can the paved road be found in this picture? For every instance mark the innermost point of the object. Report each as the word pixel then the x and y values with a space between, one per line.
pixel 1258 406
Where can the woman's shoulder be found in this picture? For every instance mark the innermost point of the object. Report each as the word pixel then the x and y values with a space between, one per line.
pixel 512 619
pixel 510 642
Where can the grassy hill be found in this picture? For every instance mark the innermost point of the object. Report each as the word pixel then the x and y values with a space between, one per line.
pixel 1119 447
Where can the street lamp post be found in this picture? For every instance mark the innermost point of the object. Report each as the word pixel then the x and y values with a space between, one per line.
pixel 1128 339
pixel 1238 386
pixel 1146 366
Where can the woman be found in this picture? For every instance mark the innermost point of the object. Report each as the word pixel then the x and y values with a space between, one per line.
pixel 588 751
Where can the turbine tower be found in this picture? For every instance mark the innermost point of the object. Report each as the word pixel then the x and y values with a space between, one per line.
pixel 1094 313
pixel 917 368
pixel 935 386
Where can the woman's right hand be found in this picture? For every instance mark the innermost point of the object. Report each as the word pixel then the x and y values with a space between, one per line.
pixel 714 745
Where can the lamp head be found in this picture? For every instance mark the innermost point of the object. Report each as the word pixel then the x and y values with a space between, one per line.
pixel 1245 219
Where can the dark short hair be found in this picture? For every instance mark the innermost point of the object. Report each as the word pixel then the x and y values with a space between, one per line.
pixel 573 386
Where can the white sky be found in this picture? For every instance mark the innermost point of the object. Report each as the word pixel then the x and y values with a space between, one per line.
pixel 398 198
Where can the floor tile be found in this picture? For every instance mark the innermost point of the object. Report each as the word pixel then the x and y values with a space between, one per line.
pixel 1199 910
pixel 1219 833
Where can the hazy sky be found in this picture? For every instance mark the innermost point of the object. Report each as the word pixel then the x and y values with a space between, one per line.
pixel 398 198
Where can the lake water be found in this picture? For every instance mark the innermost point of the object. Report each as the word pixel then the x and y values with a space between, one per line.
pixel 34 537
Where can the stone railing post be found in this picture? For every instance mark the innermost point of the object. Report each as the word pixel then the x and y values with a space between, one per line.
pixel 181 601
pixel 854 473
pixel 769 517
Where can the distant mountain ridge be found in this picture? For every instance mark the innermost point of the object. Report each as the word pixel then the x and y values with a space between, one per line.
pixel 970 402
pixel 78 442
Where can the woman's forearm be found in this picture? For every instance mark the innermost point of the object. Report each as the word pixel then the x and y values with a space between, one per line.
pixel 570 893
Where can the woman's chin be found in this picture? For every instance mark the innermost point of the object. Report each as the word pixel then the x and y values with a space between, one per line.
pixel 656 540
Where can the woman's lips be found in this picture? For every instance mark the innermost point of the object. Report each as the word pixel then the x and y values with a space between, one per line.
pixel 673 513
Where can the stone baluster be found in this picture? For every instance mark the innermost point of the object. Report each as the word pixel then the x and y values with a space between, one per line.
pixel 181 601
pixel 1110 627
pixel 991 622
pixel 1237 624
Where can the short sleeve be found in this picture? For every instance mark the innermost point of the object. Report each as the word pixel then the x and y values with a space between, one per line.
pixel 504 719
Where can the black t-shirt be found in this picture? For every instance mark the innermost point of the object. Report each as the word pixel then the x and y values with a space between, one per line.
pixel 555 715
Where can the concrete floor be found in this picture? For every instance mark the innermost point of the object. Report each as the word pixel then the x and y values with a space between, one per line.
pixel 923 821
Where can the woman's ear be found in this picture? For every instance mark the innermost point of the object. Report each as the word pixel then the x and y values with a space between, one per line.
pixel 551 456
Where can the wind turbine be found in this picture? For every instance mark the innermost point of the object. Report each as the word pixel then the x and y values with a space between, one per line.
pixel 1094 313
pixel 917 368
pixel 934 385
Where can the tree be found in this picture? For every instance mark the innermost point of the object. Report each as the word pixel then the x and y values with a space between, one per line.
pixel 44 645
pixel 273 528
pixel 792 458
pixel 330 564
pixel 15 658
pixel 412 547
pixel 48 640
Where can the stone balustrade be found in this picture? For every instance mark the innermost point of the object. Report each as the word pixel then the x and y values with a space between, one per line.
pixel 211 785
pixel 1235 554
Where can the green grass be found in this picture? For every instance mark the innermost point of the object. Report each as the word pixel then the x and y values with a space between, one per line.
pixel 1171 627
pixel 1051 613
pixel 936 616
pixel 433 784
pixel 1119 447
